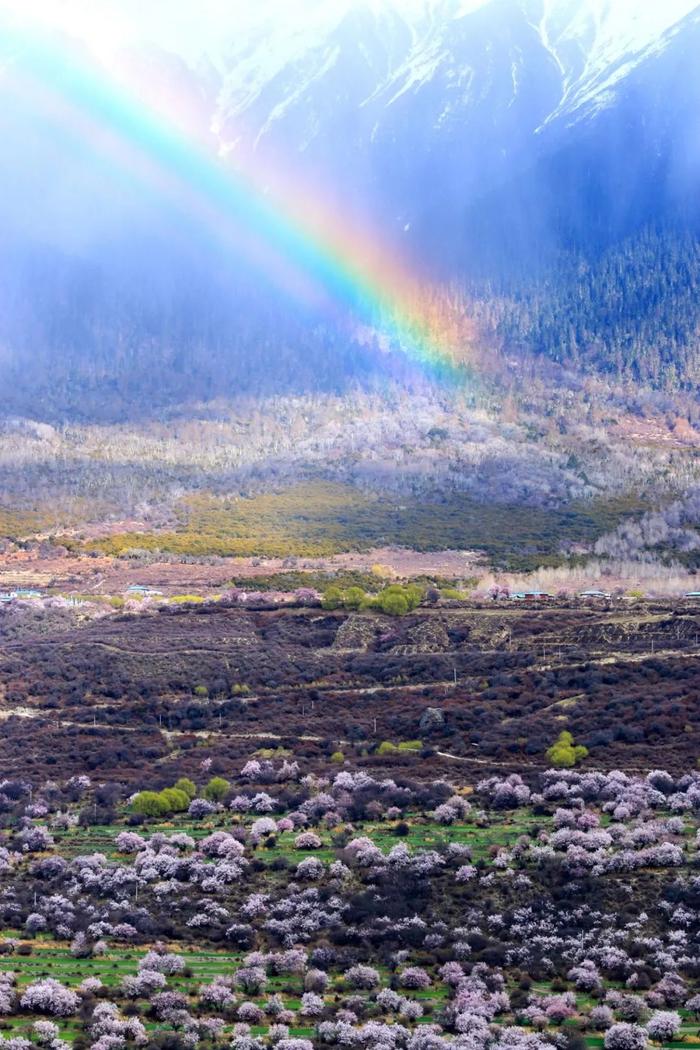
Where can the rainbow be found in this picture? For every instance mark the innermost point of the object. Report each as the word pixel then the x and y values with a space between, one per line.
pixel 277 224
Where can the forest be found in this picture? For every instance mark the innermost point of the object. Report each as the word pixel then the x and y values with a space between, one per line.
pixel 112 342
pixel 628 310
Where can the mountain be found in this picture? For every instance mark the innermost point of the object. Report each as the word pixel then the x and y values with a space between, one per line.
pixel 507 147
pixel 461 100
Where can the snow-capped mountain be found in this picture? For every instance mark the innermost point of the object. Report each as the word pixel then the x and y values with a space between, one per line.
pixel 586 47
pixel 598 43
pixel 421 111
pixel 521 141
pixel 387 99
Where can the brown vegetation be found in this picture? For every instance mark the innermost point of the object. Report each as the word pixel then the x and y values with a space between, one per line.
pixel 132 690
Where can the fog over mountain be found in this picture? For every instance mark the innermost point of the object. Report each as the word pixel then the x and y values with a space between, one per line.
pixel 486 143
pixel 455 99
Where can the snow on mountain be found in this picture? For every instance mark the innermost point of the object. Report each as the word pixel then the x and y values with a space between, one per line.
pixel 417 108
pixel 597 43
pixel 591 44
pixel 308 89
pixel 413 110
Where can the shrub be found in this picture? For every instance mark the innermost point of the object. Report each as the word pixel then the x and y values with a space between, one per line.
pixel 176 801
pixel 187 786
pixel 353 598
pixel 664 1026
pixel 129 842
pixel 149 804
pixel 392 604
pixel 217 789
pixel 307 840
pixel 332 598
pixel 414 977
pixel 564 754
pixel 364 977
pixel 201 807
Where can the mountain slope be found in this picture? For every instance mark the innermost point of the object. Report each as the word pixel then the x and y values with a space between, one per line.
pixel 598 44
pixel 505 144
pixel 462 98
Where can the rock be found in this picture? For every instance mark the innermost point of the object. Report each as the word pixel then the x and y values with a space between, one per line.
pixel 357 632
pixel 427 636
pixel 431 719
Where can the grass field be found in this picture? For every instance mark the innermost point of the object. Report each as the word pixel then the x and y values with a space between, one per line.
pixel 322 519
pixel 53 959
pixel 421 834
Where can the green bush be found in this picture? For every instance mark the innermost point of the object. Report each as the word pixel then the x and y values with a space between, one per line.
pixel 150 804
pixel 395 600
pixel 564 753
pixel 175 800
pixel 217 789
pixel 387 748
pixel 354 597
pixel 160 803
pixel 332 598
pixel 392 604
pixel 187 786
pixel 398 599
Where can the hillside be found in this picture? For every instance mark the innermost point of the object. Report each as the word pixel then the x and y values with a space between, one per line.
pixel 236 233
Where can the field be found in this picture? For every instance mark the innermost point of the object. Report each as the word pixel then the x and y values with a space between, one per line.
pixel 249 825
pixel 104 575
pixel 322 519
pixel 359 950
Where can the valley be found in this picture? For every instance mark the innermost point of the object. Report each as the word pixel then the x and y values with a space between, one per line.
pixel 299 827
pixel 349 525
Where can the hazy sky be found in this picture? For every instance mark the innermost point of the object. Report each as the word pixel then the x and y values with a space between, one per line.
pixel 189 27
